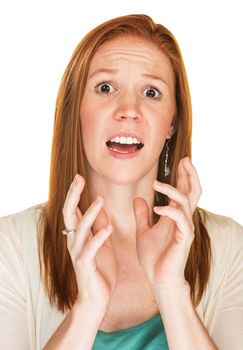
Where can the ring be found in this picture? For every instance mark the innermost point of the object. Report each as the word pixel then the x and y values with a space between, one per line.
pixel 67 232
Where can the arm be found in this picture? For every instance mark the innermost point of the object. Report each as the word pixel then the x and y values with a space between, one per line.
pixel 95 283
pixel 184 329
pixel 163 250
pixel 78 330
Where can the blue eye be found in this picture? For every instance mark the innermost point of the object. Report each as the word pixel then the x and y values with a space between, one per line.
pixel 152 92
pixel 104 88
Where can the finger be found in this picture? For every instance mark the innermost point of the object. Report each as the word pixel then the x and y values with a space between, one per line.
pixel 182 179
pixel 83 230
pixel 100 222
pixel 185 227
pixel 75 190
pixel 141 212
pixel 96 242
pixel 71 235
pixel 71 202
pixel 78 213
pixel 194 182
pixel 175 195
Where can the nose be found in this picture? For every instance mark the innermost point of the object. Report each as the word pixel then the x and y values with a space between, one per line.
pixel 128 107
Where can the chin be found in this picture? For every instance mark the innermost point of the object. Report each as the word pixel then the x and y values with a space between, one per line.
pixel 124 178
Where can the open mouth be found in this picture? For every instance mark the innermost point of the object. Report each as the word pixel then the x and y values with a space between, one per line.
pixel 124 145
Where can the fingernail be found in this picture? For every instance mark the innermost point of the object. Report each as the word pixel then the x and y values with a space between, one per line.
pixel 108 228
pixel 156 209
pixel 98 200
pixel 157 183
pixel 76 178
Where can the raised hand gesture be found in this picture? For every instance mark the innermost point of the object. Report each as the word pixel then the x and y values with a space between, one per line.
pixel 163 248
pixel 87 249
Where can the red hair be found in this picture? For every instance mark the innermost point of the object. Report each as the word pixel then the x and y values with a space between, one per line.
pixel 68 158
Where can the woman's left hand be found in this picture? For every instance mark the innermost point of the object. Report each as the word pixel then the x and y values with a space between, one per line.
pixel 163 248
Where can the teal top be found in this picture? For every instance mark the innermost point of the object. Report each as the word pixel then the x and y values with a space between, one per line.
pixel 148 335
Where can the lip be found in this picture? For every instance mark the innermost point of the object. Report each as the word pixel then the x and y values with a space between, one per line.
pixel 126 134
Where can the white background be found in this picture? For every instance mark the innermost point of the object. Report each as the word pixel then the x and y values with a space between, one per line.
pixel 37 40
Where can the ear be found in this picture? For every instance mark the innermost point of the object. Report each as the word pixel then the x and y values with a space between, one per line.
pixel 173 127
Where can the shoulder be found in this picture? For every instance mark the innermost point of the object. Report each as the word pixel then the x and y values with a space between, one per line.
pixel 19 229
pixel 20 282
pixel 226 237
pixel 29 215
pixel 19 263
pixel 24 219
pixel 224 232
pixel 222 299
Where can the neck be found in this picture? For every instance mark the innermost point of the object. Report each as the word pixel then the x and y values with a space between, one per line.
pixel 118 203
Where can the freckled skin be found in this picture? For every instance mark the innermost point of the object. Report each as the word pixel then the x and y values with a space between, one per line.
pixel 127 107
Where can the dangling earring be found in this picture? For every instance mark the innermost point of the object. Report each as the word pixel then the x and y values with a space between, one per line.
pixel 167 168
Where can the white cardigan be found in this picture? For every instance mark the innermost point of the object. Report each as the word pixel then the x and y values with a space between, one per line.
pixel 27 320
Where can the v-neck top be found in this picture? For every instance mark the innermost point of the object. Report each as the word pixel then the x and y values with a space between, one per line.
pixel 147 335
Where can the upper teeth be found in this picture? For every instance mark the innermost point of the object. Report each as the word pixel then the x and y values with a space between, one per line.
pixel 125 140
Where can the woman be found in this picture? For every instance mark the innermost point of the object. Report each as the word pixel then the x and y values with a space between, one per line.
pixel 138 265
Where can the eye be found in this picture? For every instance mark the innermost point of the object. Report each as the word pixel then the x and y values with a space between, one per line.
pixel 104 88
pixel 152 92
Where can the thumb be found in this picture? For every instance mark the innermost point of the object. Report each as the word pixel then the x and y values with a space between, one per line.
pixel 141 212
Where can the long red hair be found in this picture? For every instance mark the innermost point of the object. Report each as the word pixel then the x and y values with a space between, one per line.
pixel 68 158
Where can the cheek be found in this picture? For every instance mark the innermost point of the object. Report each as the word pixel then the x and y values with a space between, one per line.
pixel 159 139
pixel 86 130
pixel 160 130
pixel 86 117
pixel 162 126
pixel 91 126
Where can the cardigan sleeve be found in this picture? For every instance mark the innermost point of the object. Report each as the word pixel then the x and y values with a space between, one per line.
pixel 13 316
pixel 227 328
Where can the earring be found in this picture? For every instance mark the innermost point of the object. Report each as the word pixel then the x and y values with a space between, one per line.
pixel 167 168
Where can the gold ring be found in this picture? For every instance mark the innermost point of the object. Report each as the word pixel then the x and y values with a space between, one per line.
pixel 67 232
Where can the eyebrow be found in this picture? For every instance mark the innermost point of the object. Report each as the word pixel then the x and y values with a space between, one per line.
pixel 155 77
pixel 103 70
pixel 113 70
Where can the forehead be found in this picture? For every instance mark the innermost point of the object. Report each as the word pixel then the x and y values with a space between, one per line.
pixel 130 49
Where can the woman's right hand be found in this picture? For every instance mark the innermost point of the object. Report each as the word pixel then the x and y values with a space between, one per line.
pixel 91 254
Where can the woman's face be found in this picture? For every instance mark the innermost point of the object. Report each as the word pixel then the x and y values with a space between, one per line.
pixel 127 110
